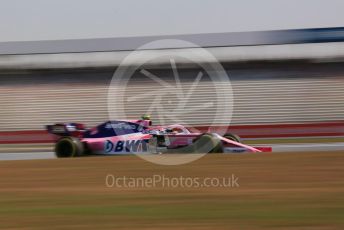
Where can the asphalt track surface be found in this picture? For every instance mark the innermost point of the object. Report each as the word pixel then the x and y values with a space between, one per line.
pixel 276 148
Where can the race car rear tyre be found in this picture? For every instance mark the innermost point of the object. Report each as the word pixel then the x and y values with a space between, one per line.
pixel 232 137
pixel 69 147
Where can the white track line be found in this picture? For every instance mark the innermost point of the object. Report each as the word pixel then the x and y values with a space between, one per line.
pixel 26 156
pixel 308 147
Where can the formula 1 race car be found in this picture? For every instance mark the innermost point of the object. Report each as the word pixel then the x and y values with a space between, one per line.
pixel 139 137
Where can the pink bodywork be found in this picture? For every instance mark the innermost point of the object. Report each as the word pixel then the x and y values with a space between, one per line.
pixel 181 139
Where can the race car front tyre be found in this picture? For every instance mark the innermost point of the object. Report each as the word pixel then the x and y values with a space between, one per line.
pixel 205 143
pixel 69 147
pixel 232 137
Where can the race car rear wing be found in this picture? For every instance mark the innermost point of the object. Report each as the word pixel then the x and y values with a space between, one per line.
pixel 70 129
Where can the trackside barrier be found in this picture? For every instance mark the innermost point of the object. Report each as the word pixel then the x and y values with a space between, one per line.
pixel 327 129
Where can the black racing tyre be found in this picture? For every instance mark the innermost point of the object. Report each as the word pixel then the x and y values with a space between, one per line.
pixel 210 143
pixel 205 143
pixel 232 137
pixel 69 147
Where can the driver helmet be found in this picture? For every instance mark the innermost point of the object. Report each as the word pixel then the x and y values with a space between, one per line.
pixel 145 117
pixel 177 130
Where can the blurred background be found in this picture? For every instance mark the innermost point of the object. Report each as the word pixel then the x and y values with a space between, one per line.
pixel 284 60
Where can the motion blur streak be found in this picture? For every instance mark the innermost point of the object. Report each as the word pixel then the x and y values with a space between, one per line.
pixel 269 93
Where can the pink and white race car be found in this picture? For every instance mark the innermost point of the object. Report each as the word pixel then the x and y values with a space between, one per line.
pixel 140 137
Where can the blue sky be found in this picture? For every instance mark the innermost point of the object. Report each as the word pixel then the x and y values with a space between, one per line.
pixel 73 19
